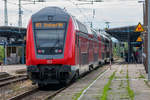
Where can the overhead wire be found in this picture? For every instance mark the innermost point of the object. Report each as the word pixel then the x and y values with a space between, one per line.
pixel 77 6
pixel 81 12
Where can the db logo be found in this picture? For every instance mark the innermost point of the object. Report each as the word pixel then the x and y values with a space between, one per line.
pixel 49 61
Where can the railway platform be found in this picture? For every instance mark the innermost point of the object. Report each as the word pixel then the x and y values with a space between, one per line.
pixel 120 82
pixel 13 69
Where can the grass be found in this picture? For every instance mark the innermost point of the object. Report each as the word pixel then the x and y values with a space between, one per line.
pixel 146 82
pixel 107 87
pixel 77 95
pixel 121 84
pixel 130 91
pixel 121 71
pixel 141 76
pixel 124 96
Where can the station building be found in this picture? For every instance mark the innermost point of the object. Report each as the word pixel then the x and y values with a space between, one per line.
pixel 12 40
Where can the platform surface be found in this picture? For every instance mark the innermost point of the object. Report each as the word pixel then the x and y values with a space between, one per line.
pixel 11 69
pixel 132 74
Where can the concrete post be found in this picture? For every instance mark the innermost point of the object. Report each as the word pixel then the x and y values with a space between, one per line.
pixel 23 62
pixel 128 45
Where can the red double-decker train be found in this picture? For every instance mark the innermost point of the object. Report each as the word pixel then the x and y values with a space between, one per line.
pixel 59 47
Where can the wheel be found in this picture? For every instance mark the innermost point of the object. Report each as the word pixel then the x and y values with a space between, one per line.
pixel 100 64
pixel 105 62
pixel 90 67
pixel 76 76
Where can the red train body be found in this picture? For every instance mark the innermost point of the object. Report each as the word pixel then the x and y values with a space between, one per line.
pixel 59 47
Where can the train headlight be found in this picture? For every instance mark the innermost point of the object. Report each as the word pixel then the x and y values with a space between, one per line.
pixel 43 51
pixel 56 51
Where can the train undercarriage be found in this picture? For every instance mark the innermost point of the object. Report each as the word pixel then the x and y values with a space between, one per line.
pixel 51 74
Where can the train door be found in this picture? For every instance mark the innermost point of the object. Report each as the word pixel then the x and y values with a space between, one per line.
pixel 77 49
pixel 100 51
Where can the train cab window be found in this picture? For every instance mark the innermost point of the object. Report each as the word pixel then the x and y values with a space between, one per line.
pixel 50 37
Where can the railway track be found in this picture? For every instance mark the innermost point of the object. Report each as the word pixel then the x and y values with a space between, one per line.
pixel 37 94
pixel 6 78
pixel 11 79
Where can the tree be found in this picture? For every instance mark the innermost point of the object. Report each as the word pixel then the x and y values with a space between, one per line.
pixel 1 53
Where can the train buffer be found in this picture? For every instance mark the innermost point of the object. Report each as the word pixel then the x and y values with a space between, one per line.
pixel 123 82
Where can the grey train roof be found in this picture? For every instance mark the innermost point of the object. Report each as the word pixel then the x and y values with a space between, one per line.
pixel 55 12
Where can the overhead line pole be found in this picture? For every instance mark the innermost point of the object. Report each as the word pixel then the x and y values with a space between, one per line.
pixel 92 14
pixel 5 13
pixel 20 15
pixel 148 40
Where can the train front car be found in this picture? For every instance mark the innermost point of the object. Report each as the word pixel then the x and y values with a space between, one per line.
pixel 50 47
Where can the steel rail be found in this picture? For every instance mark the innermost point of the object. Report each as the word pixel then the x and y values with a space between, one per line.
pixel 12 80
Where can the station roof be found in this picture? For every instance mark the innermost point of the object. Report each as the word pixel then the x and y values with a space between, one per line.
pixel 13 35
pixel 12 32
pixel 121 33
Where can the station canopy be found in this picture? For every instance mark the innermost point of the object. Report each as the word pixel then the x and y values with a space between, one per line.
pixel 10 32
pixel 124 34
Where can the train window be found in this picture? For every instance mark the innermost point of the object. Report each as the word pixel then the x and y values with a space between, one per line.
pixel 49 38
pixel 82 27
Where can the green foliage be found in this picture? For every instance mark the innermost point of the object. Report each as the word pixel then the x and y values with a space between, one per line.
pixel 126 46
pixel 142 76
pixel 119 49
pixel 107 87
pixel 147 83
pixel 130 91
pixel 77 95
pixel 1 53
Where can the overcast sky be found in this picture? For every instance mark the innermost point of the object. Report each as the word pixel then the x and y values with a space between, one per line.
pixel 118 12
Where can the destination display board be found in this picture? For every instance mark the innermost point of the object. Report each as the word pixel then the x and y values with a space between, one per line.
pixel 51 25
